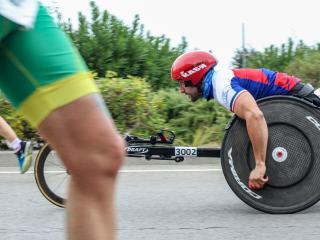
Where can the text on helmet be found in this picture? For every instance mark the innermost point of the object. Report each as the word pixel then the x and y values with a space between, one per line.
pixel 193 70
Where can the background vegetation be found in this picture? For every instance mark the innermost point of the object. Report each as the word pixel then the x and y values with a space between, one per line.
pixel 132 69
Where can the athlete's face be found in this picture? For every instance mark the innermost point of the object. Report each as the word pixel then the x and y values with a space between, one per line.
pixel 192 91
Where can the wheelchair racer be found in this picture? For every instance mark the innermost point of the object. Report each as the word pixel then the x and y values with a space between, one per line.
pixel 237 90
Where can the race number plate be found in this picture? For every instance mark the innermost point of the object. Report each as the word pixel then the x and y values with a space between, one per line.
pixel 185 151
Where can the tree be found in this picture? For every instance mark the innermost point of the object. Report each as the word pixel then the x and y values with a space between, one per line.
pixel 107 44
pixel 307 67
pixel 272 57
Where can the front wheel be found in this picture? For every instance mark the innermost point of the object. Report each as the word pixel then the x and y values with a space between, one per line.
pixel 292 159
pixel 51 176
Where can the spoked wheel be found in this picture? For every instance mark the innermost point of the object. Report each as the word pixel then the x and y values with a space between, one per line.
pixel 293 157
pixel 51 176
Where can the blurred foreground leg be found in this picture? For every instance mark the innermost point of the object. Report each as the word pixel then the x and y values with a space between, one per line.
pixel 92 150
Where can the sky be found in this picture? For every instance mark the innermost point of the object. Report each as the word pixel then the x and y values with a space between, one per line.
pixel 211 24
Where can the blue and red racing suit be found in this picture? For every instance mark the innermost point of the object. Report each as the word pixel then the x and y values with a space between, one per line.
pixel 227 85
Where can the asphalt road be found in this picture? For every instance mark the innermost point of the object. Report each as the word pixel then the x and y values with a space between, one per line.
pixel 156 201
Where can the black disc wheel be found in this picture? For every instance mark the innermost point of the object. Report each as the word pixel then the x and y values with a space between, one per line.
pixel 51 176
pixel 293 157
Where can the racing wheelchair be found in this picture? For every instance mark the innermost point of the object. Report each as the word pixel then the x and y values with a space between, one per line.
pixel 293 157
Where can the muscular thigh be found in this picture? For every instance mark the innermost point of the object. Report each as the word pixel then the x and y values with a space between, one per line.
pixel 81 128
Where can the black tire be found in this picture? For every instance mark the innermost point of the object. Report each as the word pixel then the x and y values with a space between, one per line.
pixel 43 177
pixel 293 157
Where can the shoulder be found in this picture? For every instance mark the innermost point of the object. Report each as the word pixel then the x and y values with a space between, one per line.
pixel 222 80
pixel 222 89
pixel 223 73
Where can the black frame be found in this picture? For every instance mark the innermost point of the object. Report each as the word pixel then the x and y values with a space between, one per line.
pixel 159 147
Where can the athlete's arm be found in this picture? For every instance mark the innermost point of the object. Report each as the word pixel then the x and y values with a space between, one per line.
pixel 246 108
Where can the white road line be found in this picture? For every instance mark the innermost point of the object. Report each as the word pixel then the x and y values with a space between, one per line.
pixel 133 171
pixel 173 170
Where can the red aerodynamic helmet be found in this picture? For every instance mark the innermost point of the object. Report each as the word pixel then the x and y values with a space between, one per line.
pixel 192 66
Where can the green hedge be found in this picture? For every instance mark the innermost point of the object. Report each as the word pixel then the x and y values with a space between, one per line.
pixel 137 109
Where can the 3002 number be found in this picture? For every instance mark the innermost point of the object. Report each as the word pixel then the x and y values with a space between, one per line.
pixel 185 151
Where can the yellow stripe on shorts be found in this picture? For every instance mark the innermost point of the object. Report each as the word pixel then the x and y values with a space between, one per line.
pixel 52 96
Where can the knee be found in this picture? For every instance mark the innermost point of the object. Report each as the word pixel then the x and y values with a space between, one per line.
pixel 102 159
pixel 115 155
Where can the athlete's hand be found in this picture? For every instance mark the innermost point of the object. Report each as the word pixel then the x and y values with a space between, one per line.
pixel 257 178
